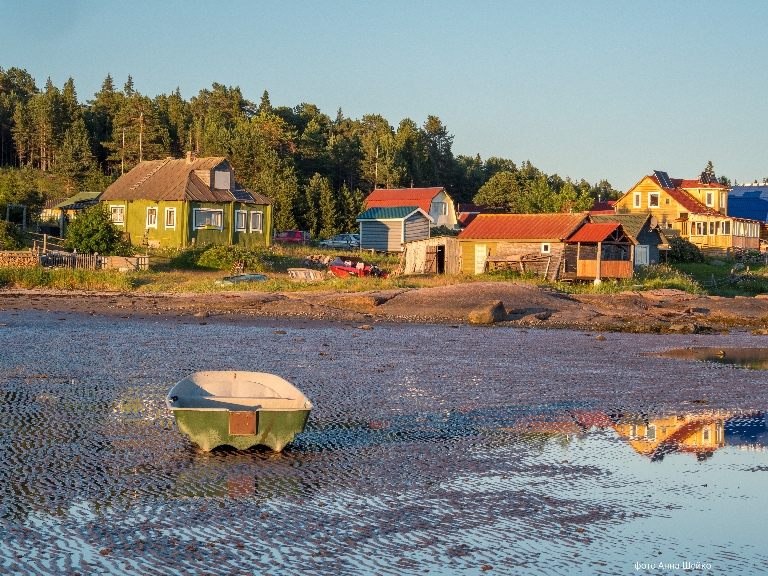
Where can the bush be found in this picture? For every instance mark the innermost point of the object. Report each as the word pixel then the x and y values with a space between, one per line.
pixel 93 231
pixel 10 237
pixel 683 251
pixel 221 257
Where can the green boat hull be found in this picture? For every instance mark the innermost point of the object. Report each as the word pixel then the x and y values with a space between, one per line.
pixel 211 428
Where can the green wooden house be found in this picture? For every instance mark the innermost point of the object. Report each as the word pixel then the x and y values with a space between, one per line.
pixel 191 201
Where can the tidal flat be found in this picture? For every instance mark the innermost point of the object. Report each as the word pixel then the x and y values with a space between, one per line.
pixel 431 449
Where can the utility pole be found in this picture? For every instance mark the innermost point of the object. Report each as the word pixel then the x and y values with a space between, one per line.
pixel 376 171
pixel 122 160
pixel 141 132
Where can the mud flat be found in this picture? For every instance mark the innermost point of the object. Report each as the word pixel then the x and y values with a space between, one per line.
pixel 453 450
pixel 525 305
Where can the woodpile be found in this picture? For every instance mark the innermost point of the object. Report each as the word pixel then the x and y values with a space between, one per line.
pixel 18 259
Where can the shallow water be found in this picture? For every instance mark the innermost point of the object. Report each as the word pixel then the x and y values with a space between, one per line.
pixel 430 448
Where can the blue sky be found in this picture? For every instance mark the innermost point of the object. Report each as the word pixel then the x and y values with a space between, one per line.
pixel 588 89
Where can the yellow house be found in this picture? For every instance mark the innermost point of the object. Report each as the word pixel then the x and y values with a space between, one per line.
pixel 696 210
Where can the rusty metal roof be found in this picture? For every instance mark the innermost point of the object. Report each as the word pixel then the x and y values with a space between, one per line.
pixel 594 232
pixel 173 180
pixel 522 226
pixel 388 197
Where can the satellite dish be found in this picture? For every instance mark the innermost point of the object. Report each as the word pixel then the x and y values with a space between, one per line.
pixel 654 222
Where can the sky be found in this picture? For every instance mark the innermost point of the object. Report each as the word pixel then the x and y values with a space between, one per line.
pixel 588 89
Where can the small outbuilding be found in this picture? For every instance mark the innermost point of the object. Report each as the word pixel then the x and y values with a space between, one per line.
pixel 644 228
pixel 597 251
pixel 438 255
pixel 388 228
pixel 530 243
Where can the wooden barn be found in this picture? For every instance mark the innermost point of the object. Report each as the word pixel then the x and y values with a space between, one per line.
pixel 438 255
pixel 388 228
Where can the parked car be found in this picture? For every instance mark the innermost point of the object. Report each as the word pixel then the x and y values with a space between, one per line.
pixel 294 236
pixel 342 241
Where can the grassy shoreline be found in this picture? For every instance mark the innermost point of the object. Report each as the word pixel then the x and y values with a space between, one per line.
pixel 197 270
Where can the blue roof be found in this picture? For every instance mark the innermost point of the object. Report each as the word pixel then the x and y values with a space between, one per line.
pixel 749 201
pixel 387 212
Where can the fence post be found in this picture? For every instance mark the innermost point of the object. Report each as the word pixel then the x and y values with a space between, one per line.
pixel 45 243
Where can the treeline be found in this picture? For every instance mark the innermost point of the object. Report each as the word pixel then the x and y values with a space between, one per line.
pixel 317 168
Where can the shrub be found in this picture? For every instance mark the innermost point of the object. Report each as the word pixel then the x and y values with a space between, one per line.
pixel 683 251
pixel 10 237
pixel 93 231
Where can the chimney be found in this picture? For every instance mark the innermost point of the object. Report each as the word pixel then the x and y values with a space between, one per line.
pixel 191 157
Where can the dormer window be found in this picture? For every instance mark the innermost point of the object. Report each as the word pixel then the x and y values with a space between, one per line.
pixel 221 180
pixel 710 199
pixel 653 200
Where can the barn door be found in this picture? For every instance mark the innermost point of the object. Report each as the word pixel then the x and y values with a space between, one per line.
pixel 480 256
pixel 430 260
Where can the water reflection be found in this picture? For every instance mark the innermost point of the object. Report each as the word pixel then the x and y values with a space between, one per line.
pixel 752 358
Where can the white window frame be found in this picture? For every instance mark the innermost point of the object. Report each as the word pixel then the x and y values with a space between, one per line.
pixel 727 228
pixel 151 222
pixel 212 211
pixel 709 198
pixel 168 212
pixel 244 215
pixel 705 434
pixel 638 200
pixel 650 432
pixel 657 197
pixel 117 209
pixel 546 248
pixel 261 221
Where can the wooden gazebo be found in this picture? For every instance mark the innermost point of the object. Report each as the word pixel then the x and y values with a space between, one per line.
pixel 598 251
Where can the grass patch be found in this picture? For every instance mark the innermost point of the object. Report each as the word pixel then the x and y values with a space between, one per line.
pixel 65 279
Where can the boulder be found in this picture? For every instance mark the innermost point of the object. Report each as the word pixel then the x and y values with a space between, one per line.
pixel 488 313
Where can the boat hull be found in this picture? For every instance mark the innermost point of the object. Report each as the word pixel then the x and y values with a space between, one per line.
pixel 211 428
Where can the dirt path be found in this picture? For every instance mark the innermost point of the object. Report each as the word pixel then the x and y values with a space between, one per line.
pixel 526 305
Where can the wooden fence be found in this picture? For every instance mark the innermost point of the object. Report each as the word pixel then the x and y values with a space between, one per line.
pixel 72 261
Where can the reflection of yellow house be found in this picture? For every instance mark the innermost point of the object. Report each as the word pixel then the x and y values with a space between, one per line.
pixel 701 434
pixel 696 210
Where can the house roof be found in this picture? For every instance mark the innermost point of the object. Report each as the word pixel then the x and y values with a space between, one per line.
pixel 681 183
pixel 522 226
pixel 175 180
pixel 79 200
pixel 749 202
pixel 632 223
pixel 594 232
pixel 421 197
pixel 53 202
pixel 390 213
pixel 603 207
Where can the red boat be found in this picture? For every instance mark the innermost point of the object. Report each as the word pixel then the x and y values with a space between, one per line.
pixel 346 266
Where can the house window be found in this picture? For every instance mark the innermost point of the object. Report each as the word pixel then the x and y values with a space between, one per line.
pixel 727 228
pixel 545 248
pixel 651 433
pixel 241 219
pixel 723 200
pixel 118 214
pixel 221 179
pixel 439 208
pixel 633 431
pixel 209 219
pixel 666 200
pixel 152 217
pixel 637 200
pixel 170 217
pixel 710 197
pixel 711 228
pixel 653 200
pixel 705 434
pixel 256 218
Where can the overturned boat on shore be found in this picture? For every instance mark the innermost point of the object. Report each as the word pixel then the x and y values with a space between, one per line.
pixel 238 409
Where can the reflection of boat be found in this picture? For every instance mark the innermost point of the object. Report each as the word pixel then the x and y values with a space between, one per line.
pixel 238 409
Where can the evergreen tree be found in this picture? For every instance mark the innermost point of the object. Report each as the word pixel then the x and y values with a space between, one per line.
pixel 330 219
pixel 75 159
